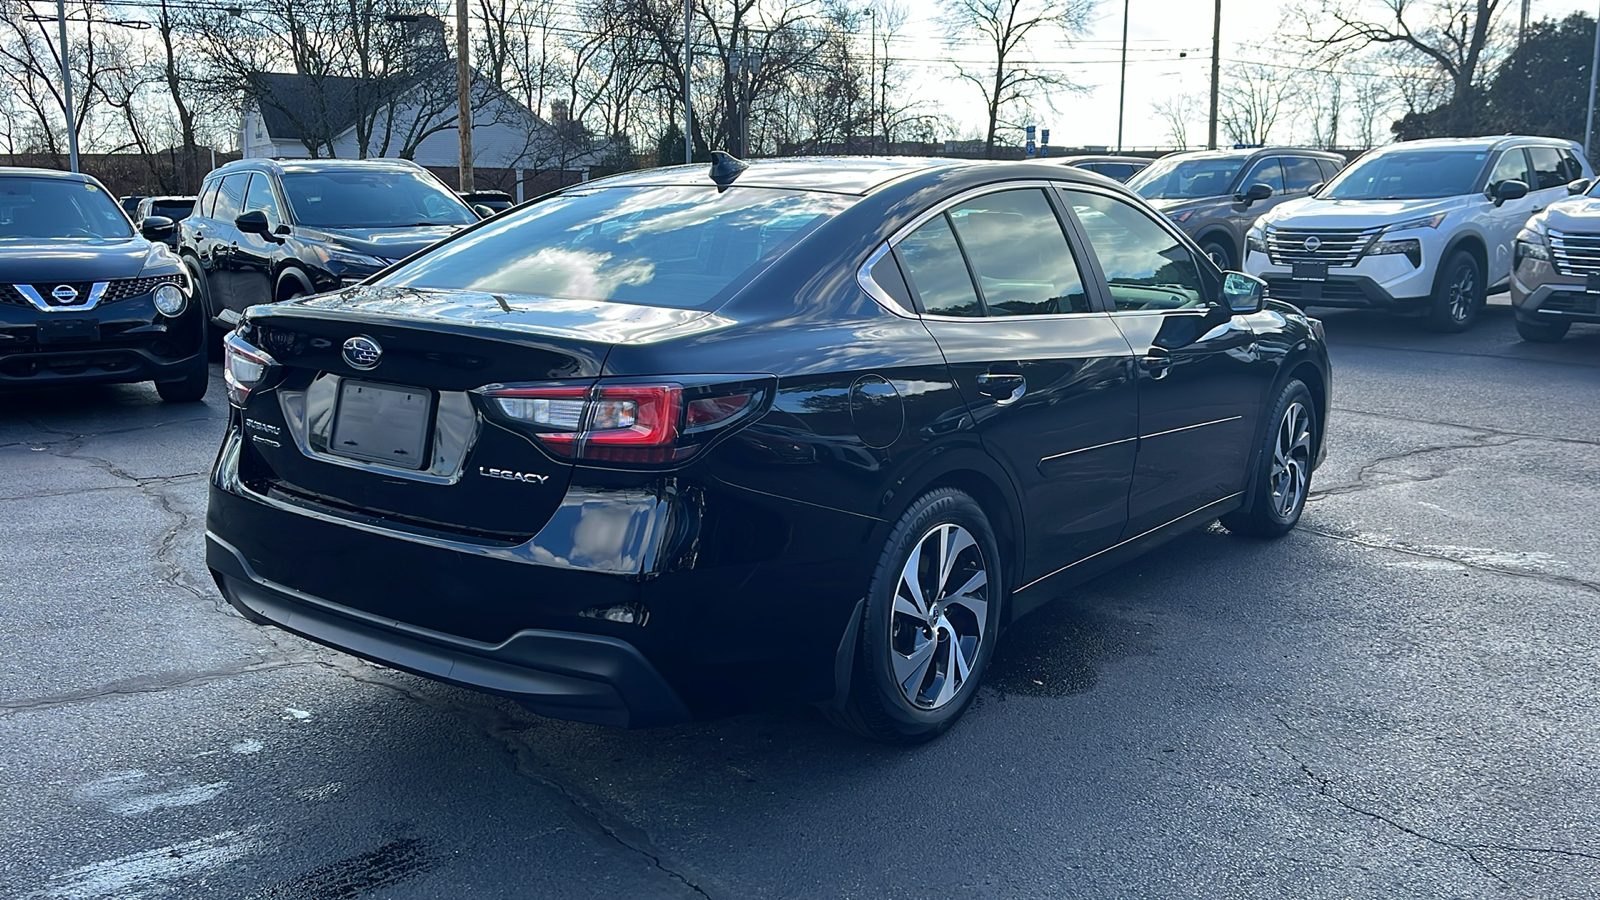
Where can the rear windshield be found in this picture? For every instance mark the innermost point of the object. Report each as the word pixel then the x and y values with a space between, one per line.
pixel 172 209
pixel 355 198
pixel 1409 175
pixel 1186 178
pixel 651 246
pixel 58 209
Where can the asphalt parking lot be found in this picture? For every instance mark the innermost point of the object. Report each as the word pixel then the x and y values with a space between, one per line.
pixel 1401 698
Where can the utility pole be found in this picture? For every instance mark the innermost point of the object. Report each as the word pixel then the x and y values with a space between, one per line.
pixel 1588 126
pixel 688 65
pixel 66 85
pixel 1122 88
pixel 872 83
pixel 464 95
pixel 1522 29
pixel 1216 73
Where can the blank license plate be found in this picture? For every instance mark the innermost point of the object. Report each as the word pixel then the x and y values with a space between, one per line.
pixel 68 331
pixel 1309 272
pixel 1593 286
pixel 386 423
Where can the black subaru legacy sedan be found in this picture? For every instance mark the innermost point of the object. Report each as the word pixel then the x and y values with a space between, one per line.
pixel 680 443
pixel 86 299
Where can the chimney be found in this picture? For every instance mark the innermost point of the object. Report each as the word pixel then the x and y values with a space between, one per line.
pixel 558 113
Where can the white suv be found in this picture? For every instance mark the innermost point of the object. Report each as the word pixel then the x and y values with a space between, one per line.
pixel 1424 227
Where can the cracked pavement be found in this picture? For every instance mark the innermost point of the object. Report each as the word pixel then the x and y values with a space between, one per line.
pixel 1399 699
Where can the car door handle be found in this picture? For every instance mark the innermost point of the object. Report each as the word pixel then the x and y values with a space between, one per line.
pixel 1157 362
pixel 1005 388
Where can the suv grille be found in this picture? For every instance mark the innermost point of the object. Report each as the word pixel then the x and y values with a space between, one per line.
pixel 1575 254
pixel 125 288
pixel 1341 247
pixel 11 296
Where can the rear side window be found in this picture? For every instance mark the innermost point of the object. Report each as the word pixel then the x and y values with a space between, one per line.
pixel 1571 169
pixel 230 197
pixel 1547 168
pixel 938 272
pixel 1020 254
pixel 208 198
pixel 1300 173
pixel 674 246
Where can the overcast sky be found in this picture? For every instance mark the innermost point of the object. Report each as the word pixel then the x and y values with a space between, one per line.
pixel 1159 30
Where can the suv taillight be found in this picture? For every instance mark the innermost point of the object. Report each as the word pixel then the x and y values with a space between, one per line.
pixel 244 367
pixel 640 423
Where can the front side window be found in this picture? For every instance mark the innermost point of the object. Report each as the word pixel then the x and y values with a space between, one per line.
pixel 673 246
pixel 1186 178
pixel 1266 172
pixel 367 198
pixel 259 197
pixel 1513 166
pixel 230 196
pixel 58 209
pixel 1020 254
pixel 1145 266
pixel 938 272
pixel 1409 175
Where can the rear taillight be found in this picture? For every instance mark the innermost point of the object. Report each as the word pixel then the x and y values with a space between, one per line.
pixel 650 423
pixel 244 367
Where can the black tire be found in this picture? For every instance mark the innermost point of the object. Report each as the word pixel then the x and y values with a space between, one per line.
pixel 191 388
pixel 1542 332
pixel 1458 294
pixel 202 298
pixel 878 707
pixel 1218 252
pixel 1273 509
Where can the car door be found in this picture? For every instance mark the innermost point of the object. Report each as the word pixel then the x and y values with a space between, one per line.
pixel 255 255
pixel 1201 379
pixel 1046 375
pixel 221 237
pixel 1505 220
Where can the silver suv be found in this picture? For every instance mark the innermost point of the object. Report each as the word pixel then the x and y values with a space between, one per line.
pixel 1555 272
pixel 1422 228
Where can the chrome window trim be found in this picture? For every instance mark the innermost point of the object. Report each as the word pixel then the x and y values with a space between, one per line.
pixel 96 291
pixel 877 293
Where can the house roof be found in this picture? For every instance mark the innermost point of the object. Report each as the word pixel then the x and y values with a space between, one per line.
pixel 293 104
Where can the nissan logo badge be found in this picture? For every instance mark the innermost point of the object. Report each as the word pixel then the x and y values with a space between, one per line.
pixel 1312 243
pixel 362 352
pixel 65 294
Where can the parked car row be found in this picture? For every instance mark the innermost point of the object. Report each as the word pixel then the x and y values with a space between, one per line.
pixel 1424 228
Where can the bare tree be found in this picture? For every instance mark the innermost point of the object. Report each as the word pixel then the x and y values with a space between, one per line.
pixel 1251 102
pixel 1453 38
pixel 1010 29
pixel 1176 112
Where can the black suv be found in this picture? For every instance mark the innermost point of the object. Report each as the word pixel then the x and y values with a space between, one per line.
pixel 266 230
pixel 1216 195
pixel 86 299
pixel 175 208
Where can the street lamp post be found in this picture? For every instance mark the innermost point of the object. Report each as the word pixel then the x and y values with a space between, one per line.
pixel 688 64
pixel 66 85
pixel 1594 64
pixel 464 95
pixel 1122 89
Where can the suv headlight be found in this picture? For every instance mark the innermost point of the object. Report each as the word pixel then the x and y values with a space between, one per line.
pixel 1532 243
pixel 333 256
pixel 1411 247
pixel 1433 221
pixel 1255 239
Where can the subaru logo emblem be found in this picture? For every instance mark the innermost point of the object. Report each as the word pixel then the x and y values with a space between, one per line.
pixel 362 352
pixel 1312 243
pixel 64 294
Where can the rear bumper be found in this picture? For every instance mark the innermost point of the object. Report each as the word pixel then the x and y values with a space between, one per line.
pixel 566 675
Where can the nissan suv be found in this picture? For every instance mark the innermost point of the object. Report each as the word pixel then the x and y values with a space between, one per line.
pixel 1422 228
pixel 265 230
pixel 1555 266
pixel 1214 195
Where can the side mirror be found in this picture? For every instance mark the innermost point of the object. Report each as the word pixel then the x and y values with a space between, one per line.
pixel 483 212
pixel 1510 189
pixel 1581 186
pixel 1316 187
pixel 253 222
pixel 1253 193
pixel 1244 293
pixel 157 228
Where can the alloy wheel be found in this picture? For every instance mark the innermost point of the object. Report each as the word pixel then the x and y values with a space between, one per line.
pixel 1463 291
pixel 1291 460
pixel 941 609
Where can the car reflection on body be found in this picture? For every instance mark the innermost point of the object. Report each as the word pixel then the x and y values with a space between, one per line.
pixel 679 444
